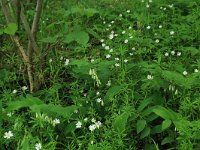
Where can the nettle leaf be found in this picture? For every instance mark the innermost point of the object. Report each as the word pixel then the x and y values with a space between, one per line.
pixel 166 124
pixel 11 29
pixel 51 109
pixel 141 125
pixel 27 101
pixel 145 132
pixel 114 91
pixel 119 123
pixel 80 37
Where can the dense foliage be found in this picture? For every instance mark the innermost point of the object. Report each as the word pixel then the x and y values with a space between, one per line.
pixel 118 74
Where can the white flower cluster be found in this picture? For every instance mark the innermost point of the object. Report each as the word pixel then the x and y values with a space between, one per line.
pixel 96 124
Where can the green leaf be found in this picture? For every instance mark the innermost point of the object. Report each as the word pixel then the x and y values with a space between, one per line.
pixel 27 101
pixel 145 132
pixel 143 104
pixel 141 125
pixel 10 29
pixel 166 123
pixel 114 91
pixel 167 140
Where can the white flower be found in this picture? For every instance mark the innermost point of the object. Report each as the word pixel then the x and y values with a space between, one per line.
pixel 179 54
pixel 8 135
pixel 56 121
pixel 9 114
pixel 130 27
pixel 111 50
pixel 98 124
pixel 171 5
pixel 125 60
pixel 196 70
pixel 92 142
pixel 117 65
pixel 116 35
pixel 111 36
pixel 61 58
pixel 157 41
pixel 109 25
pixel 97 93
pixel 160 26
pixel 108 56
pixel 131 54
pixel 172 52
pixel 24 88
pixel 66 62
pixel 172 32
pixel 185 73
pixel 148 27
pixel 104 22
pixel 123 32
pixel 149 77
pixel 14 91
pixel 117 59
pixel 161 7
pixel 126 41
pixel 112 32
pixel 108 83
pixel 176 92
pixel 107 48
pixel 85 119
pixel 103 44
pixel 38 146
pixel 150 1
pixel 155 34
pixel 166 54
pixel 112 22
pixel 133 48
pixel 131 37
pixel 78 124
pixel 128 11
pixel 92 60
pixel 147 6
pixel 50 60
pixel 92 127
pixel 102 40
pixel 93 120
pixel 99 100
pixel 120 15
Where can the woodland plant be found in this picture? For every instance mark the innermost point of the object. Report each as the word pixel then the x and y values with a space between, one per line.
pixel 100 75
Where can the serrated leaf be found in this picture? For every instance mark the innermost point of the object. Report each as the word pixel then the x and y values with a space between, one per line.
pixel 10 29
pixel 166 123
pixel 141 125
pixel 145 132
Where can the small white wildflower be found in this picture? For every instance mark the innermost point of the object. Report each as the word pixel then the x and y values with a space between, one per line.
pixel 147 6
pixel 111 50
pixel 103 44
pixel 112 32
pixel 116 35
pixel 56 121
pixel 117 65
pixel 176 92
pixel 117 59
pixel 196 70
pixel 93 120
pixel 66 62
pixel 133 48
pixel 150 1
pixel 108 83
pixel 61 58
pixel 157 41
pixel 97 93
pixel 85 119
pixel 8 135
pixel 131 37
pixel 38 146
pixel 108 56
pixel 50 60
pixel 92 60
pixel 120 15
pixel 166 54
pixel 128 11
pixel 14 91
pixel 126 41
pixel 131 54
pixel 161 7
pixel 107 47
pixel 92 142
pixel 125 60
pixel 185 73
pixel 111 36
pixel 123 32
pixel 149 77
pixel 9 114
pixel 129 27
pixel 102 40
pixel 78 124
pixel 172 52
pixel 171 5
pixel 24 88
pixel 172 32
pixel 104 22
pixel 160 26
pixel 179 54
pixel 99 100
pixel 155 34
pixel 92 127
pixel 98 124
pixel 112 22
pixel 109 25
pixel 148 27
pixel 164 8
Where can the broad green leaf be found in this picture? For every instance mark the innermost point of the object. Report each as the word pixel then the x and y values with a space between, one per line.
pixel 167 140
pixel 141 125
pixel 10 29
pixel 156 129
pixel 114 90
pixel 145 132
pixel 166 123
pixel 143 104
pixel 27 101
pixel 80 37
